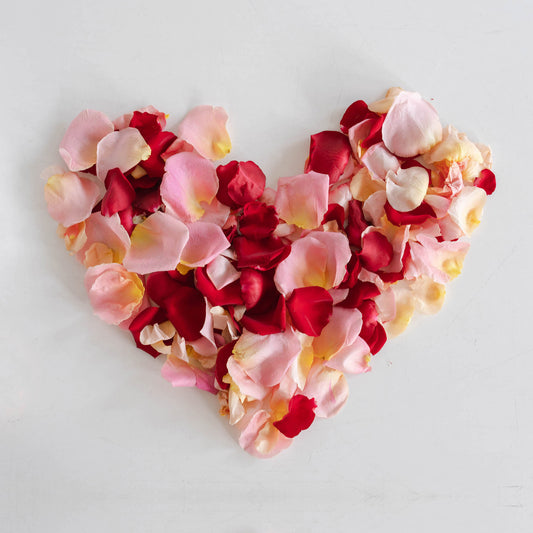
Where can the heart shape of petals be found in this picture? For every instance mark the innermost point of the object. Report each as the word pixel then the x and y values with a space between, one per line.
pixel 268 298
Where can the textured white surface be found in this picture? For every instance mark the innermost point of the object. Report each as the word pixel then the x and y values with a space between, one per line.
pixel 438 438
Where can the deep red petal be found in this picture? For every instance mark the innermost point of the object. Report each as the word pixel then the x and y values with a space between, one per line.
pixel 335 212
pixel 376 252
pixel 353 268
pixel 148 200
pixel 240 183
pixel 126 218
pixel 119 194
pixel 146 123
pixel 221 368
pixel 263 255
pixel 310 309
pixel 374 136
pixel 356 112
pixel 150 315
pixel 258 220
pixel 273 320
pixel 329 153
pixel 300 416
pixel 186 310
pixel 363 290
pixel 161 285
pixel 356 223
pixel 486 181
pixel 417 216
pixel 258 289
pixel 228 295
pixel 155 165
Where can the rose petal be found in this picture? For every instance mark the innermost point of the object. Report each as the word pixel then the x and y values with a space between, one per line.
pixel 205 128
pixel 300 416
pixel 329 153
pixel 310 309
pixel 406 188
pixel 78 147
pixel 206 241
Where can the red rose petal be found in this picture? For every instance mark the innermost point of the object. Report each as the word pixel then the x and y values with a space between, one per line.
pixel 273 320
pixel 186 310
pixel 160 285
pixel 228 295
pixel 240 183
pixel 372 332
pixel 329 153
pixel 376 252
pixel 417 216
pixel 356 223
pixel 146 123
pixel 310 309
pixel 300 416
pixel 335 212
pixel 356 112
pixel 486 181
pixel 149 316
pixel 363 290
pixel 263 254
pixel 258 220
pixel 119 194
pixel 374 135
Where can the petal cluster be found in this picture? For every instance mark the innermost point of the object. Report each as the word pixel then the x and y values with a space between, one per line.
pixel 267 299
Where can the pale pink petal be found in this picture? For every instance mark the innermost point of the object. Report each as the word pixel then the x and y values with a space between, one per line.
pixel 379 161
pixel 70 198
pixel 352 359
pixel 318 259
pixel 357 134
pixel 439 204
pixel 221 272
pixel 189 184
pixel 260 438
pixel 265 358
pixel 342 330
pixel 329 389
pixel 406 188
pixel 244 382
pixel 216 212
pixel 303 200
pixel 121 149
pixel 156 244
pixel 108 231
pixel 181 374
pixel 205 128
pixel 412 126
pixel 78 147
pixel 467 208
pixel 206 241
pixel 115 294
pixel 124 121
pixel 341 195
pixel 374 207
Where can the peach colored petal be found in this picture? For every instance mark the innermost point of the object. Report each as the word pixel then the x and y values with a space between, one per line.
pixel 383 105
pixel 189 184
pixel 406 188
pixel 329 389
pixel 106 230
pixel 363 185
pixel 115 294
pixel 121 149
pixel 204 127
pixel 341 331
pixel 78 147
pixel 73 236
pixel 156 244
pixel 70 198
pixel 206 241
pixel 318 259
pixel 467 208
pixel 303 200
pixel 265 358
pixel 412 126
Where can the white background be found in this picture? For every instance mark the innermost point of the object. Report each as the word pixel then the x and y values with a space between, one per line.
pixel 438 438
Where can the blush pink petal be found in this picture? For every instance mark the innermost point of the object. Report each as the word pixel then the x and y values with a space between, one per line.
pixel 265 358
pixel 70 198
pixel 182 374
pixel 378 160
pixel 341 331
pixel 156 244
pixel 78 147
pixel 189 184
pixel 319 258
pixel 115 293
pixel 204 127
pixel 107 231
pixel 352 359
pixel 329 389
pixel 122 149
pixel 412 126
pixel 221 272
pixel 206 241
pixel 406 188
pixel 303 200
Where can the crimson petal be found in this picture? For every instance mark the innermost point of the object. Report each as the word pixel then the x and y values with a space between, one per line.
pixel 149 316
pixel 240 183
pixel 486 181
pixel 228 295
pixel 310 309
pixel 356 223
pixel 263 254
pixel 273 320
pixel 300 416
pixel 356 112
pixel 119 194
pixel 417 216
pixel 221 365
pixel 258 220
pixel 376 252
pixel 329 153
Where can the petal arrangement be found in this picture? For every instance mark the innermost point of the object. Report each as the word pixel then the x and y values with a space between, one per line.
pixel 268 298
